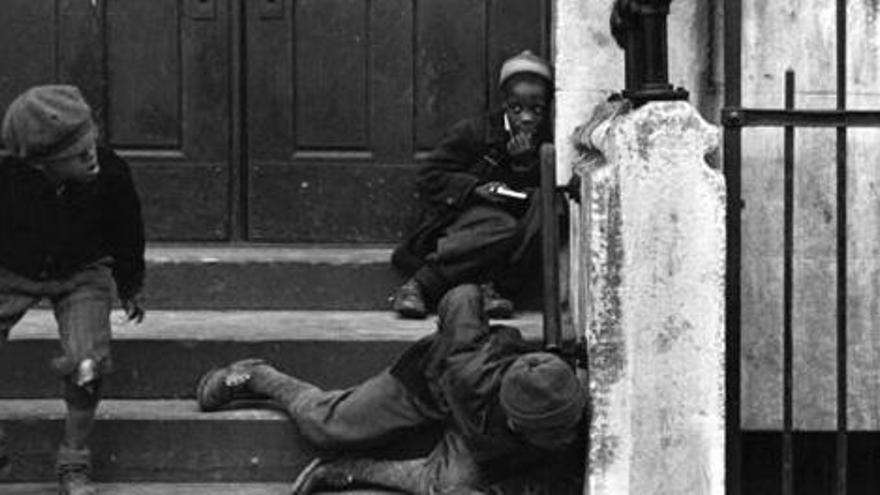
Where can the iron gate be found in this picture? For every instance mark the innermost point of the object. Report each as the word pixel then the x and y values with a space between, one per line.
pixel 788 456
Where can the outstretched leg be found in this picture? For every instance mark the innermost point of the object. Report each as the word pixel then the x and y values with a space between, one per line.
pixel 361 416
pixel 448 470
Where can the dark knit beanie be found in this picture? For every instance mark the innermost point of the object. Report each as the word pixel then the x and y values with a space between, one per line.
pixel 541 391
pixel 44 121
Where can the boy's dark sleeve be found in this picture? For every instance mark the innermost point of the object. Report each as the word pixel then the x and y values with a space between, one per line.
pixel 450 174
pixel 126 229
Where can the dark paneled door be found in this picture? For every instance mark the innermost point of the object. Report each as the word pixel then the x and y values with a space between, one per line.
pixel 157 73
pixel 343 95
pixel 272 120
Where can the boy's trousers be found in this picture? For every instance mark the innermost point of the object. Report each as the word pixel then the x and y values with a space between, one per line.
pixel 81 304
pixel 380 409
pixel 485 243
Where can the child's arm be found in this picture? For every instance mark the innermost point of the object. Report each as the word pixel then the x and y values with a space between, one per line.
pixel 451 173
pixel 126 232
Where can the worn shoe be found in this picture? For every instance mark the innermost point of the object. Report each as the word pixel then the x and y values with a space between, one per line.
pixel 408 301
pixel 220 386
pixel 321 474
pixel 494 305
pixel 73 468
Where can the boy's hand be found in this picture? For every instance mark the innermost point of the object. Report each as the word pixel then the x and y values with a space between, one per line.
pixel 520 144
pixel 134 308
pixel 487 192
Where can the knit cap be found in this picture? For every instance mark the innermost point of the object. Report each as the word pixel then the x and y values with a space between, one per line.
pixel 541 391
pixel 45 121
pixel 525 62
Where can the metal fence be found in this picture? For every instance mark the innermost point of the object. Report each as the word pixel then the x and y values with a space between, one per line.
pixel 735 118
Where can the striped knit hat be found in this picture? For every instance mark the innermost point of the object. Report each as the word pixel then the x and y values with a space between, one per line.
pixel 525 62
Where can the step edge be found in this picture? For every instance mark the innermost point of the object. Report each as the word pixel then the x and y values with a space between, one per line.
pixel 12 410
pixel 238 326
pixel 266 254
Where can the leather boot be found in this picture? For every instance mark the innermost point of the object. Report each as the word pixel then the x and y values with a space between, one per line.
pixel 74 470
pixel 409 302
pixel 221 386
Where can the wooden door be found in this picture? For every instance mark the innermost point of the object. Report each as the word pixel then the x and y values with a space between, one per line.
pixel 344 95
pixel 272 120
pixel 157 73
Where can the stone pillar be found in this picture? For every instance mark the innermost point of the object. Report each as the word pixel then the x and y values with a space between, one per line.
pixel 652 262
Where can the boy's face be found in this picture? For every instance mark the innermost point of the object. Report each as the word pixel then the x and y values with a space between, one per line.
pixel 526 106
pixel 79 164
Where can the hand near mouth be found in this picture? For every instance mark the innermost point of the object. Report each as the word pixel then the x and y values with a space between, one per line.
pixel 520 143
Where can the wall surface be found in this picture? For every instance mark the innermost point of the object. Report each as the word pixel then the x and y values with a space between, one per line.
pixel 589 63
pixel 652 259
pixel 776 36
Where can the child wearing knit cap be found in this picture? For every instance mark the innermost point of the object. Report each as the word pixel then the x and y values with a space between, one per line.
pixel 512 416
pixel 481 191
pixel 70 226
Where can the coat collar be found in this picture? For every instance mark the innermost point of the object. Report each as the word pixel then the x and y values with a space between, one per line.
pixel 495 132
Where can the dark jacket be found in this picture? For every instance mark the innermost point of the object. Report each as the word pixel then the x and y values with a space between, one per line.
pixel 472 152
pixel 458 371
pixel 49 234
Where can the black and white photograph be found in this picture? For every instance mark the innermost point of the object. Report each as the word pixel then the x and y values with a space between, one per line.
pixel 439 247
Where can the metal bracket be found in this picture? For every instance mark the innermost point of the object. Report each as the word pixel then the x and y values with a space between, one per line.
pixel 201 9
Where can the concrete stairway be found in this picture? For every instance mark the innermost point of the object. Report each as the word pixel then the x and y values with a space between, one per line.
pixel 317 313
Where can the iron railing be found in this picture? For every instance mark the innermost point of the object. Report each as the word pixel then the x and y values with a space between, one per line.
pixel 735 118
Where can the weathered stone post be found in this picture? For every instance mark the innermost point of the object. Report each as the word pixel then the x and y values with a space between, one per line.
pixel 652 246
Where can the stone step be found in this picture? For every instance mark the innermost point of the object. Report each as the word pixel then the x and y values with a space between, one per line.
pixel 276 277
pixel 168 441
pixel 156 489
pixel 269 277
pixel 171 489
pixel 164 356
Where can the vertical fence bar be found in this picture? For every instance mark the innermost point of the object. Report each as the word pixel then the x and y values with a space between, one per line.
pixel 550 250
pixel 733 179
pixel 841 257
pixel 787 272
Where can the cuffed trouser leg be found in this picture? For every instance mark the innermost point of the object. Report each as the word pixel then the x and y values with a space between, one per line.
pixel 82 310
pixel 473 249
pixel 448 469
pixel 81 406
pixel 462 308
pixel 360 416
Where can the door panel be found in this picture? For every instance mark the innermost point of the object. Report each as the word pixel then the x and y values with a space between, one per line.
pixel 330 74
pixel 143 97
pixel 451 65
pixel 28 56
pixel 156 73
pixel 337 100
pixel 185 185
pixel 344 94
